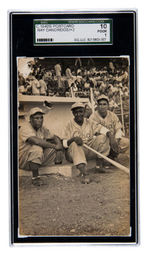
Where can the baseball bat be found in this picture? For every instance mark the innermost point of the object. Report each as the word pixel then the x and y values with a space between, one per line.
pixel 120 166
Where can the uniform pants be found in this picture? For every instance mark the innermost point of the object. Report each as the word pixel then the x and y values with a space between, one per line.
pixel 38 155
pixel 79 154
pixel 124 145
pixel 124 148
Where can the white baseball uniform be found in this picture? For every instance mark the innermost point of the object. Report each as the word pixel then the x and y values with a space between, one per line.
pixel 79 154
pixel 112 123
pixel 34 153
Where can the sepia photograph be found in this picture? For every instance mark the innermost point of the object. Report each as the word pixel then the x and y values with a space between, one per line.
pixel 74 146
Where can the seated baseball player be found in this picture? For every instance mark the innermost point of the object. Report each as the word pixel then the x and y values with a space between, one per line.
pixel 37 146
pixel 118 142
pixel 81 130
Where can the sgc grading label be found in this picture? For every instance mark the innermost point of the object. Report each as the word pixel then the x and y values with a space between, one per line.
pixel 78 31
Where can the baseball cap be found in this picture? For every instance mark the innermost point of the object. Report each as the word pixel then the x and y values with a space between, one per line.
pixel 102 97
pixel 77 105
pixel 35 110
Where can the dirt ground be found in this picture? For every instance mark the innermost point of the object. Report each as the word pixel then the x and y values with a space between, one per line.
pixel 66 207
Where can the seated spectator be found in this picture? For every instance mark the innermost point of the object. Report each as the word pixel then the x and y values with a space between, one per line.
pixel 52 86
pixel 112 104
pixel 35 86
pixel 87 111
pixel 68 73
pixel 22 89
pixel 87 86
pixel 42 85
pixel 47 76
pixel 78 83
pixel 21 79
pixel 58 70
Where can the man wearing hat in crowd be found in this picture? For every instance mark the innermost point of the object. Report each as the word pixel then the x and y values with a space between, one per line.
pixel 37 146
pixel 81 130
pixel 118 142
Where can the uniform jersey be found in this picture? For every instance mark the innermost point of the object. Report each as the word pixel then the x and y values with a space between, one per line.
pixel 25 148
pixel 111 122
pixel 28 131
pixel 86 131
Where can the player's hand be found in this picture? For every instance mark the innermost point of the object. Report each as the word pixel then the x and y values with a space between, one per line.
pixel 58 143
pixel 58 147
pixel 78 141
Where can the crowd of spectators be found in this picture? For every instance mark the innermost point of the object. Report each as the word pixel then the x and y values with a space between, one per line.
pixel 81 81
pixel 109 79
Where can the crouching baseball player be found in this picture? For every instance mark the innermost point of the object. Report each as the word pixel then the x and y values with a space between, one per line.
pixel 81 130
pixel 119 144
pixel 37 146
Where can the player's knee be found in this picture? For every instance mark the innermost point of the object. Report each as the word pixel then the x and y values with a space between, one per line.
pixel 73 145
pixel 124 143
pixel 37 149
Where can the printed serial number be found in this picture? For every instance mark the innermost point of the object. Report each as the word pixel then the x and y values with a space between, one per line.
pixel 89 39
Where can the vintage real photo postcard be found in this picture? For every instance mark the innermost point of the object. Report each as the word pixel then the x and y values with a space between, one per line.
pixel 73 113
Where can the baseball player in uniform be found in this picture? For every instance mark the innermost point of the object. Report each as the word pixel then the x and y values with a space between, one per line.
pixel 37 146
pixel 118 142
pixel 82 130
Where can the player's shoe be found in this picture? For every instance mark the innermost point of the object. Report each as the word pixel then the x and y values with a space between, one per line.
pixel 100 165
pixel 85 179
pixel 38 181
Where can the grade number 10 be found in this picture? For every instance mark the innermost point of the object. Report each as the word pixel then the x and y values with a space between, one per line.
pixel 103 25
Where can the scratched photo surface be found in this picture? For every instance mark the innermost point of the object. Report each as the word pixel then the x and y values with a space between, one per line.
pixel 74 146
